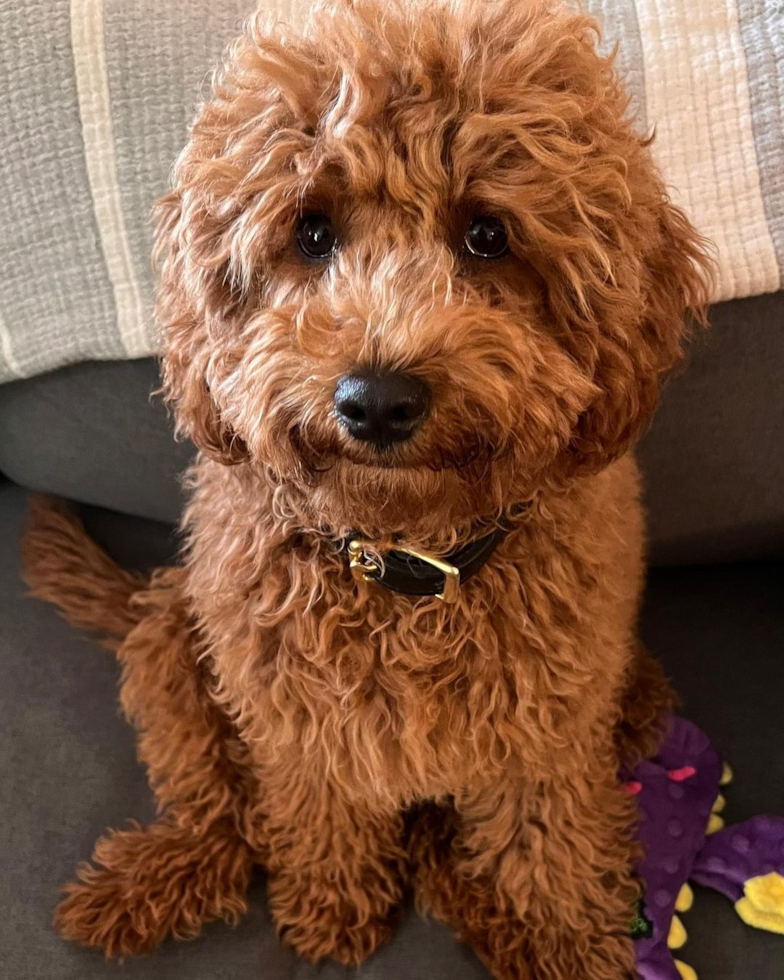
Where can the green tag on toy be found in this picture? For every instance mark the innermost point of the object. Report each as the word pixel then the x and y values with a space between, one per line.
pixel 641 927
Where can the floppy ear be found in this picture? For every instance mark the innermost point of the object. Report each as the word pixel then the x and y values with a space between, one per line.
pixel 186 359
pixel 633 361
pixel 211 245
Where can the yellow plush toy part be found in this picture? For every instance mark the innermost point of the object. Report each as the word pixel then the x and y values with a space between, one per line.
pixel 762 905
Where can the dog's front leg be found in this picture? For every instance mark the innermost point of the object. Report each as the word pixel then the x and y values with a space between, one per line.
pixel 337 867
pixel 194 864
pixel 447 888
pixel 560 851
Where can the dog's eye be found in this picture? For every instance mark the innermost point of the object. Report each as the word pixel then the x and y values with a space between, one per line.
pixel 315 236
pixel 486 237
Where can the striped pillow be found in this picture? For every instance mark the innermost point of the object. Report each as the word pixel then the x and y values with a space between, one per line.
pixel 98 94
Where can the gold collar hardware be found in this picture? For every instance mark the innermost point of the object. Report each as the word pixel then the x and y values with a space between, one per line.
pixel 365 569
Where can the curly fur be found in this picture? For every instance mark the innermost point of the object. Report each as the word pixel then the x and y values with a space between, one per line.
pixel 291 716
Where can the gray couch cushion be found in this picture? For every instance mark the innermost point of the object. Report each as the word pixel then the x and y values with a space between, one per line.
pixel 94 432
pixel 714 460
pixel 69 771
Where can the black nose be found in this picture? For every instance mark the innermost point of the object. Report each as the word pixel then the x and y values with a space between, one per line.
pixel 381 408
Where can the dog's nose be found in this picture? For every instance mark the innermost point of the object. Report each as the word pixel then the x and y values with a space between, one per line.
pixel 381 408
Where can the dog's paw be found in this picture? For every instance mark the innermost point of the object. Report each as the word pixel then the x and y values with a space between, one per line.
pixel 151 883
pixel 331 937
pixel 102 911
pixel 321 924
pixel 577 958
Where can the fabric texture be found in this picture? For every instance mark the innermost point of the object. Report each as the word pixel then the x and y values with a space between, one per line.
pixel 70 770
pixel 97 95
pixel 94 432
pixel 713 461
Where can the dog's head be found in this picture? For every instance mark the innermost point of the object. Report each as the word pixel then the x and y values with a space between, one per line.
pixel 417 264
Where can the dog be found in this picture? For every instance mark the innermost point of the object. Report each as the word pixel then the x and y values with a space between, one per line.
pixel 420 284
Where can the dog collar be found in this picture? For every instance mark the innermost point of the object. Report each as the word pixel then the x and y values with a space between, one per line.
pixel 419 573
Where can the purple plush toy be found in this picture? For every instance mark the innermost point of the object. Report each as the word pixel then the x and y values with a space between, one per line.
pixel 685 839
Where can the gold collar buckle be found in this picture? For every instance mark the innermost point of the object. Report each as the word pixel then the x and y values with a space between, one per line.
pixel 365 569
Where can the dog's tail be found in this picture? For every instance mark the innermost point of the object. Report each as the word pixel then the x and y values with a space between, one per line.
pixel 63 565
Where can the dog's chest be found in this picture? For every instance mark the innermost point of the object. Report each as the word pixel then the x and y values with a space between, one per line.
pixel 419 708
pixel 402 699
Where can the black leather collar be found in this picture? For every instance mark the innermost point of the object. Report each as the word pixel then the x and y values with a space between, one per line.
pixel 420 574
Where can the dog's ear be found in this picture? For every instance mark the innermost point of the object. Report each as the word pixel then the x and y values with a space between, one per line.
pixel 185 363
pixel 634 354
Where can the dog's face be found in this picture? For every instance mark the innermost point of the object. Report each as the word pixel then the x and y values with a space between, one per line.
pixel 417 264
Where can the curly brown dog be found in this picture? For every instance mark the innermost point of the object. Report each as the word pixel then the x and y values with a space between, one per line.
pixel 420 285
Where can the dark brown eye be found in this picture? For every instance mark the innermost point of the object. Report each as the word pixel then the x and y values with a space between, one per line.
pixel 315 236
pixel 486 237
